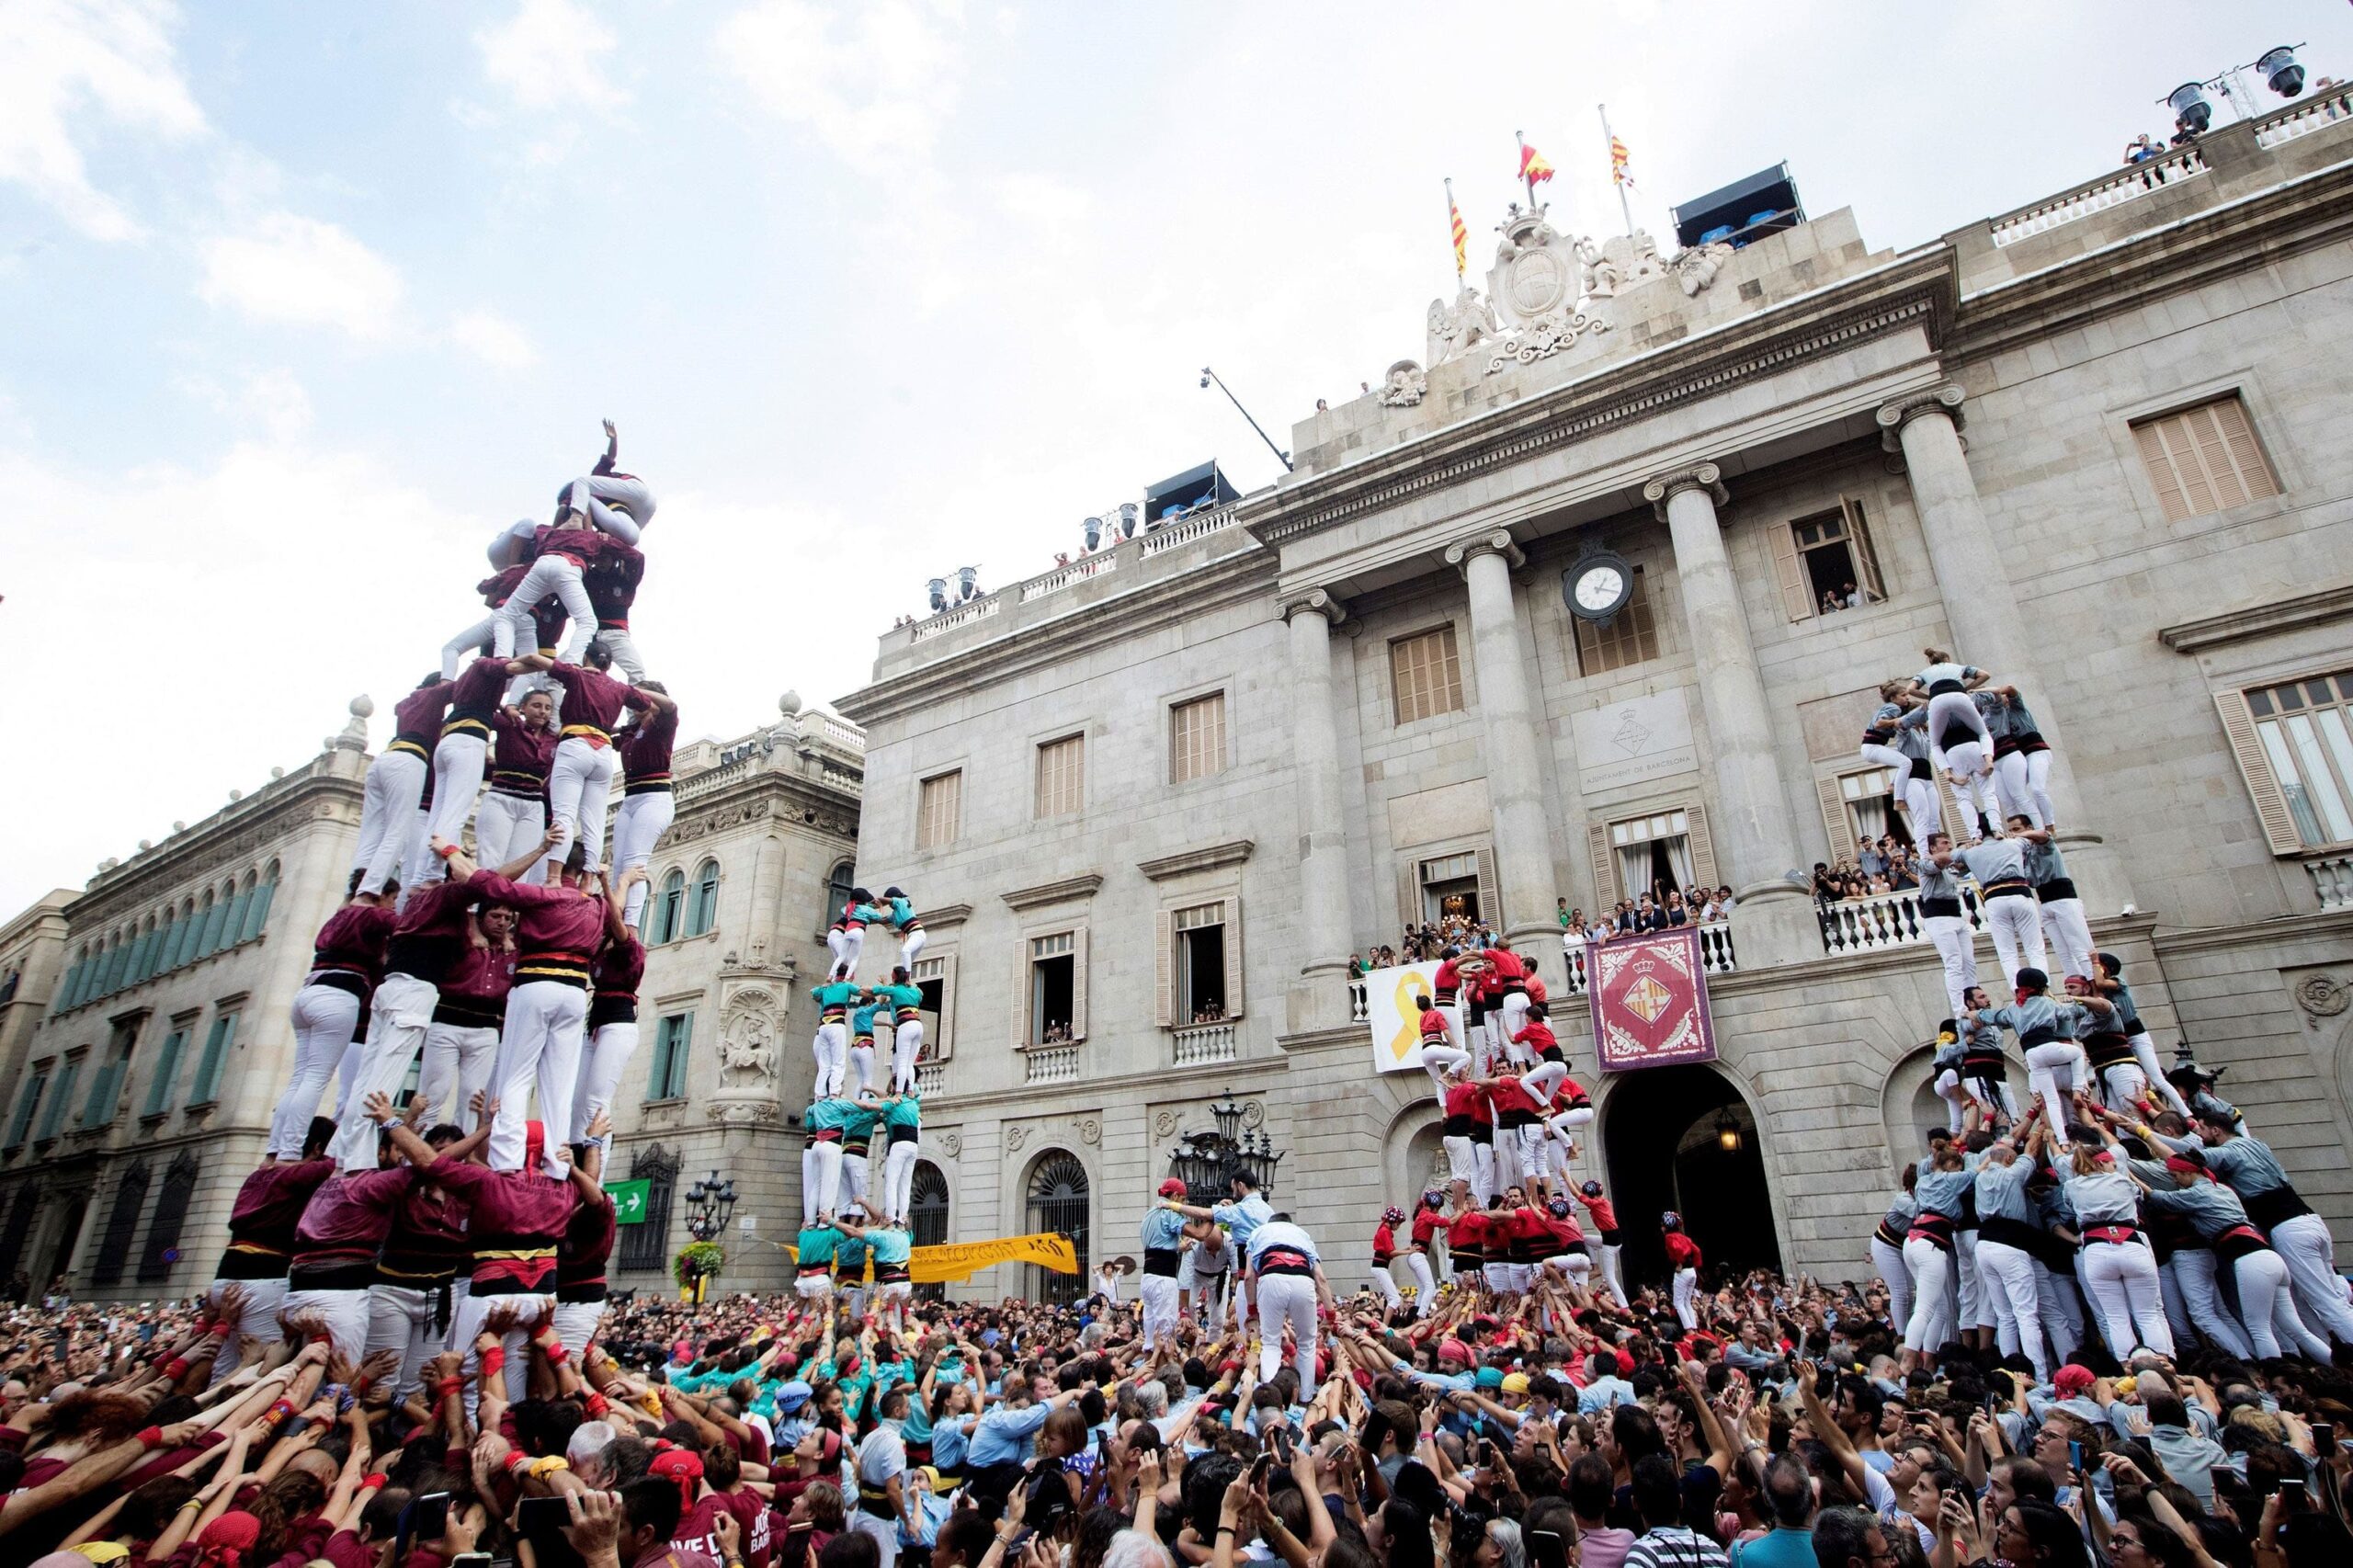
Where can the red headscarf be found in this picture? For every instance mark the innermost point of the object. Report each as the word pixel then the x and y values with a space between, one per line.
pixel 534 1144
pixel 683 1468
pixel 227 1538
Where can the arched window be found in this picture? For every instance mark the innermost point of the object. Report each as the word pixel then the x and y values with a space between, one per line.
pixel 114 1246
pixel 257 918
pixel 702 910
pixel 69 992
pixel 838 889
pixel 223 929
pixel 162 1248
pixel 240 910
pixel 115 954
pixel 207 922
pixel 1061 1200
pixel 167 941
pixel 927 1217
pixel 667 920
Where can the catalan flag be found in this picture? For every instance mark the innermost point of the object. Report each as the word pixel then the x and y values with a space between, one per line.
pixel 1533 169
pixel 1461 234
pixel 1619 174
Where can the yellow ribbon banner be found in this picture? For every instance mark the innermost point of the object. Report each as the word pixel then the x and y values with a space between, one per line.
pixel 962 1260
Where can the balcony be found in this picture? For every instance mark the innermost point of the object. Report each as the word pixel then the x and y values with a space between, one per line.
pixel 2128 184
pixel 2332 878
pixel 1194 1045
pixel 1050 1065
pixel 931 1079
pixel 1888 920
pixel 2303 117
pixel 1061 577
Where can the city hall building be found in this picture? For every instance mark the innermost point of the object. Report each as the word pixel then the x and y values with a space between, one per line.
pixel 1150 802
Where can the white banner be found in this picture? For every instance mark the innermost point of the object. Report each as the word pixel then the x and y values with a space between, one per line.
pixel 1396 1022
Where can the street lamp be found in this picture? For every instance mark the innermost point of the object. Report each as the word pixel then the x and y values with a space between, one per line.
pixel 1207 1162
pixel 709 1203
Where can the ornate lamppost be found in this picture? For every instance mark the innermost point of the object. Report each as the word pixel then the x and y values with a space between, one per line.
pixel 1207 1162
pixel 710 1202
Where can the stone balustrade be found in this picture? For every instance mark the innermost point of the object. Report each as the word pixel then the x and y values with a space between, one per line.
pixel 1050 1064
pixel 2303 117
pixel 931 1078
pixel 1193 1045
pixel 2128 184
pixel 2332 878
pixel 1184 531
pixel 948 620
pixel 1884 920
pixel 1061 577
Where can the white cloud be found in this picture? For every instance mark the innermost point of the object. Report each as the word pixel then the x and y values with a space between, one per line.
pixel 272 401
pixel 494 340
pixel 548 55
pixel 874 82
pixel 303 272
pixel 63 59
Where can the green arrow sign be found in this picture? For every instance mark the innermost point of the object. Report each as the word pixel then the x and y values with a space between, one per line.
pixel 628 1200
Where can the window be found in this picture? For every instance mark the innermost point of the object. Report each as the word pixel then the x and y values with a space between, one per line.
pixel 1667 851
pixel 670 1041
pixel 106 1087
pixel 217 1041
pixel 114 1243
pixel 161 1250
pixel 167 941
pixel 1061 1201
pixel 258 916
pixel 21 1212
pixel 1861 806
pixel 927 1218
pixel 27 1104
pixel 939 810
pixel 1062 776
pixel 646 1243
pixel 1197 738
pixel 2204 458
pixel 935 976
pixel 1055 989
pixel 1825 563
pixel 2294 744
pixel 1630 638
pixel 669 919
pixel 702 907
pixel 1451 886
pixel 54 1117
pixel 1200 972
pixel 838 889
pixel 1425 675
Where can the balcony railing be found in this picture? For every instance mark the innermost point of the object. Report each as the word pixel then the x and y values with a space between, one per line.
pixel 1196 1044
pixel 1716 956
pixel 1184 531
pixel 948 620
pixel 1061 577
pixel 2304 118
pixel 1886 920
pixel 2127 184
pixel 1050 1064
pixel 2332 878
pixel 1359 1010
pixel 931 1078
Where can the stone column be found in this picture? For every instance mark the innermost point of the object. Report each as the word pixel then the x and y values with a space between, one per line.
pixel 1320 999
pixel 1980 606
pixel 1757 838
pixel 1508 723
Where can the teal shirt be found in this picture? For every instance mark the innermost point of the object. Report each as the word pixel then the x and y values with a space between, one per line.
pixel 834 996
pixel 861 1019
pixel 905 999
pixel 902 910
pixel 849 1255
pixel 890 1243
pixel 904 1112
pixel 869 912
pixel 832 1113
pixel 858 1125
pixel 817 1243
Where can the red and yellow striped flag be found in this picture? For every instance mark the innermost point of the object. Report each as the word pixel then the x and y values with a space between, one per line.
pixel 1533 166
pixel 1461 234
pixel 1619 174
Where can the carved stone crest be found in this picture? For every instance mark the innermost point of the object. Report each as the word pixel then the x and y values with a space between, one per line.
pixel 1697 267
pixel 952 1145
pixel 1403 386
pixel 1535 273
pixel 1164 1124
pixel 1542 339
pixel 2322 996
pixel 742 1111
pixel 1090 1131
pixel 1014 1137
pixel 1454 328
pixel 747 1038
pixel 1253 1115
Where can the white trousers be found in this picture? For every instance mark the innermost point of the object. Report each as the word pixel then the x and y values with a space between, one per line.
pixel 2302 1243
pixel 1931 1323
pixel 258 1322
pixel 1896 1275
pixel 1473 1165
pixel 617 503
pixel 1286 1299
pixel 2060 1299
pixel 2192 1270
pixel 906 1048
pixel 397 1020
pixel 2144 1051
pixel 2070 936
pixel 576 1323
pixel 1159 1310
pixel 2005 1278
pixel 638 825
pixel 1956 710
pixel 831 1047
pixel 504 826
pixel 387 809
pixel 856 1181
pixel 910 944
pixel 580 785
pixel 345 1312
pixel 1956 944
pixel 539 1047
pixel 2267 1309
pixel 861 1057
pixel 323 1019
pixel 2050 1073
pixel 2017 796
pixel 821 1175
pixel 2122 1085
pixel 1613 1270
pixel 1687 1285
pixel 626 657
pixel 2122 1283
pixel 400 1317
pixel 418 863
pixel 845 943
pixel 1923 804
pixel 1971 1309
pixel 467 1325
pixel 457 764
pixel 2038 785
pixel 1973 788
pixel 899 1180
pixel 2016 926
pixel 485 630
pixel 556 577
pixel 1417 1264
pixel 1437 1061
pixel 457 1057
pixel 883 1533
pixel 601 1066
pixel 1956 1098
pixel 1384 1284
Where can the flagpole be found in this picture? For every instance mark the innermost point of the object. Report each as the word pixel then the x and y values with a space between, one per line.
pixel 1523 169
pixel 1610 145
pixel 1450 231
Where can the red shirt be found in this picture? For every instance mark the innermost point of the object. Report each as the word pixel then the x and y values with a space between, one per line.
pixel 1564 1230
pixel 426 1243
pixel 581 544
pixel 1515 1106
pixel 1466 1110
pixel 510 1211
pixel 352 943
pixel 697 1528
pixel 1605 1218
pixel 1385 1242
pixel 646 745
pixel 499 585
pixel 1426 1224
pixel 430 935
pixel 1433 1025
pixel 345 1222
pixel 1472 1230
pixel 548 619
pixel 269 1209
pixel 1536 991
pixel 1681 1251
pixel 593 701
pixel 1538 1037
pixel 1504 971
pixel 1448 982
pixel 752 1510
pixel 417 716
pixel 520 757
pixel 480 976
pixel 588 1243
pixel 558 930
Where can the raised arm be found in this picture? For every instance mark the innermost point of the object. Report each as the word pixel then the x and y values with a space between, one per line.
pixel 378 1108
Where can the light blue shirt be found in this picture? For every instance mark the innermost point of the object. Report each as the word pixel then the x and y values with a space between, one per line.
pixel 1243 1219
pixel 1004 1437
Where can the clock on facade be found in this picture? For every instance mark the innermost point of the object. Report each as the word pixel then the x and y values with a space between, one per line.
pixel 1597 586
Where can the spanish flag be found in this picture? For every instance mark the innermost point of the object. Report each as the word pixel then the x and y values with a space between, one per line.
pixel 1618 171
pixel 1533 166
pixel 1461 234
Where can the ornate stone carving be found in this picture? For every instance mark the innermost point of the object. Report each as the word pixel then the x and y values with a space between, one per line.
pixel 1697 266
pixel 1090 1131
pixel 1403 386
pixel 1315 601
pixel 1164 1124
pixel 1944 398
pixel 742 1112
pixel 1699 476
pixel 1611 266
pixel 1542 338
pixel 1454 328
pixel 952 1143
pixel 1253 1115
pixel 1014 1137
pixel 1490 541
pixel 2322 996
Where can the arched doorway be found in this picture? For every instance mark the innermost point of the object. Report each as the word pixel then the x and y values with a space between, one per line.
pixel 1060 1199
pixel 927 1217
pixel 1682 1137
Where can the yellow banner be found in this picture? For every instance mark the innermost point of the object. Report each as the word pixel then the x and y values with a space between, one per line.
pixel 962 1260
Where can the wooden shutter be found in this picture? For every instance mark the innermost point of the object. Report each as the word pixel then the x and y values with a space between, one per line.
pixel 2160 470
pixel 2270 805
pixel 1491 897
pixel 1078 984
pixel 1234 974
pixel 2247 454
pixel 1605 872
pixel 1835 820
pixel 1797 598
pixel 1409 892
pixel 1023 1034
pixel 1164 966
pixel 1703 846
pixel 1859 537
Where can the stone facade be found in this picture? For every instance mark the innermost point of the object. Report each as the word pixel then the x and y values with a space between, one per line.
pixel 147 1038
pixel 1406 700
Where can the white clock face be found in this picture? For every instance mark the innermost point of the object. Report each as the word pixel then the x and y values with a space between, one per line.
pixel 1599 588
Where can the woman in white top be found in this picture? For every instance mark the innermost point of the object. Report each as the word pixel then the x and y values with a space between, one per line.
pixel 1951 711
pixel 2119 1269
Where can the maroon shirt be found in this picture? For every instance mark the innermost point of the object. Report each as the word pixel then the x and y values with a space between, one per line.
pixel 430 935
pixel 500 586
pixel 350 948
pixel 582 544
pixel 521 758
pixel 345 1225
pixel 473 695
pixel 619 970
pixel 479 979
pixel 580 1256
pixel 647 747
pixel 417 716
pixel 267 1212
pixel 558 930
pixel 593 701
pixel 427 1246
pixel 510 1211
pixel 611 580
pixel 548 618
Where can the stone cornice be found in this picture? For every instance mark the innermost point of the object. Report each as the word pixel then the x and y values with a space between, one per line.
pixel 2259 620
pixel 1487 541
pixel 1918 290
pixel 1315 601
pixel 1944 398
pixel 1186 861
pixel 1699 476
pixel 1062 891
pixel 272 818
pixel 946 915
pixel 764 794
pixel 2331 925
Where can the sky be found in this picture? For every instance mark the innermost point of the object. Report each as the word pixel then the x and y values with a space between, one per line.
pixel 301 304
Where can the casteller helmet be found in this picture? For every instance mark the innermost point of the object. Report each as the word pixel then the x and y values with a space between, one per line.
pixel 1432 1198
pixel 1670 1220
pixel 1560 1206
pixel 892 892
pixel 1393 1215
pixel 1591 1190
